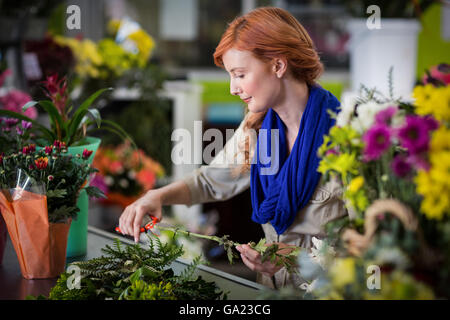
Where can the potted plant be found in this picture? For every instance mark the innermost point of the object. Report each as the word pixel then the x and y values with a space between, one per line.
pixel 376 47
pixel 71 127
pixel 38 200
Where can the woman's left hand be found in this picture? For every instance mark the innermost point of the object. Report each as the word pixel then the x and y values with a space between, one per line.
pixel 252 259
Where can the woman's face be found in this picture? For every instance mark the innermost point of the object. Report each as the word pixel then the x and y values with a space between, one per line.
pixel 254 81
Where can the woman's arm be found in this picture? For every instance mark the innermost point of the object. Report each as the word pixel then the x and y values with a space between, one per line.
pixel 215 182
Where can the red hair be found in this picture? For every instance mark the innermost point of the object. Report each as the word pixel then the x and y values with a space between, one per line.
pixel 269 33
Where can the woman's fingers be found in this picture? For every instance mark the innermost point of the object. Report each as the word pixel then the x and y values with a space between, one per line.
pixel 140 212
pixel 252 259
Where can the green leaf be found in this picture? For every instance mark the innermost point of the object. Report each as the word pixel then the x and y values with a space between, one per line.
pixel 136 275
pixel 28 105
pixel 96 116
pixel 120 130
pixel 95 192
pixel 81 112
pixel 57 193
pixel 55 117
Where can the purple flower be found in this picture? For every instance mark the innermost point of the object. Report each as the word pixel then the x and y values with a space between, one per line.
pixel 10 122
pixel 420 161
pixel 385 116
pixel 401 166
pixel 414 135
pixel 431 122
pixel 99 182
pixel 26 125
pixel 377 140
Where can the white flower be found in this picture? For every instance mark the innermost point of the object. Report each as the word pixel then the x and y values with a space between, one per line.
pixel 131 174
pixel 109 181
pixel 346 110
pixel 321 252
pixel 366 115
pixel 123 183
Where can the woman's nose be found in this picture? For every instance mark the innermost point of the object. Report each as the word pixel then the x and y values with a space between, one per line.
pixel 234 89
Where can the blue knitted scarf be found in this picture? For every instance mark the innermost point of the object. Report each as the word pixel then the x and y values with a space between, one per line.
pixel 282 184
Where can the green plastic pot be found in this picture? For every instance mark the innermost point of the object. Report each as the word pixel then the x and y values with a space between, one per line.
pixel 77 242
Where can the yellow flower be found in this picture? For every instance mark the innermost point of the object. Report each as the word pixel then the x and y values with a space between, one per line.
pixel 435 206
pixel 113 26
pixel 422 95
pixel 440 170
pixel 433 100
pixel 440 139
pixel 343 272
pixel 356 184
pixel 343 163
pixel 145 45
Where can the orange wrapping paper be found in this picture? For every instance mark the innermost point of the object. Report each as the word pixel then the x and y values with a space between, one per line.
pixel 40 246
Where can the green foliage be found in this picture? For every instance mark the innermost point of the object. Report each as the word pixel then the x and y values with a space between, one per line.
pixel 132 272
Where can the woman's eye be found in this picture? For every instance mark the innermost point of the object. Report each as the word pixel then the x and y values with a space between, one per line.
pixel 240 76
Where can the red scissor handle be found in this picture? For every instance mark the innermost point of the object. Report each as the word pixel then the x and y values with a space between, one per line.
pixel 148 226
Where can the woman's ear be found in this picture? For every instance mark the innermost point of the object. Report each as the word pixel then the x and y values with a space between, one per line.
pixel 280 66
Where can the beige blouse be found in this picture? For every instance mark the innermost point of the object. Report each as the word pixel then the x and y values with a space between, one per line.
pixel 218 181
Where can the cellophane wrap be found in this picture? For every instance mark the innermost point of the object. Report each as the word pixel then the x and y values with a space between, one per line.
pixel 40 246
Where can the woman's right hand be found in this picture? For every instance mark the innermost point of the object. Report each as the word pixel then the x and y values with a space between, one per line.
pixel 131 219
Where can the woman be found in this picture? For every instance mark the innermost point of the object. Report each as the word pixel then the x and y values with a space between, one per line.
pixel 273 67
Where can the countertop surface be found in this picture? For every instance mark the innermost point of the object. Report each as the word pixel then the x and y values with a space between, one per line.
pixel 13 286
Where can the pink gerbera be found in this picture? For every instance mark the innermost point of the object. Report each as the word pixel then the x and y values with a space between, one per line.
pixel 377 140
pixel 414 135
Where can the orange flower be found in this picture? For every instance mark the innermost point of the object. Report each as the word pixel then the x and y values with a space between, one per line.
pixel 115 167
pixel 146 178
pixel 41 163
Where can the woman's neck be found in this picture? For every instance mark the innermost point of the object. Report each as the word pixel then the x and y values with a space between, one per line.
pixel 293 99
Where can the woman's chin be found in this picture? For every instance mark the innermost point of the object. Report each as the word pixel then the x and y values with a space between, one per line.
pixel 256 109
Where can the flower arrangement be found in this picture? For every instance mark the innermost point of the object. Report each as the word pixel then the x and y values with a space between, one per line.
pixel 128 47
pixel 39 190
pixel 61 176
pixel 392 159
pixel 125 173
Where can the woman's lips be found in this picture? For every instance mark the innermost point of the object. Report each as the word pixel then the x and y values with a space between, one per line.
pixel 247 100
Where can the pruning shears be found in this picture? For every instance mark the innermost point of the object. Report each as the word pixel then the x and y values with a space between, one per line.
pixel 148 227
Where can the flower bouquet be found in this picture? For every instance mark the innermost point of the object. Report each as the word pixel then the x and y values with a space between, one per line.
pixel 393 161
pixel 40 204
pixel 128 46
pixel 125 173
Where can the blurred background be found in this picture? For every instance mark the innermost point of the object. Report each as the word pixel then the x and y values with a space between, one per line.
pixel 157 55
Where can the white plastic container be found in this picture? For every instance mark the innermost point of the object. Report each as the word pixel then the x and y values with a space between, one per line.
pixel 374 51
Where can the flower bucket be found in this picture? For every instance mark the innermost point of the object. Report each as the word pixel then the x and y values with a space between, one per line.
pixel 40 245
pixel 77 243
